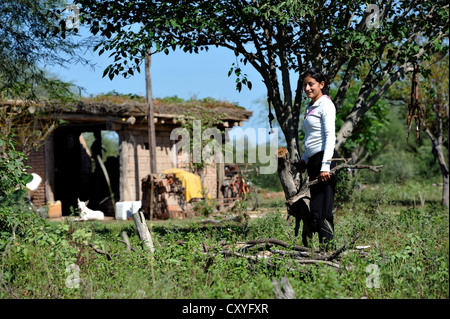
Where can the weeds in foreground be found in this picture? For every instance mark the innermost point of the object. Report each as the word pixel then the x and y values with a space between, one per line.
pixel 408 257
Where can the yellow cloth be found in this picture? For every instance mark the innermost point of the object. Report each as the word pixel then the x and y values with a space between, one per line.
pixel 191 183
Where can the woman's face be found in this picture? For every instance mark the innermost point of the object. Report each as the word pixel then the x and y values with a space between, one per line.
pixel 312 88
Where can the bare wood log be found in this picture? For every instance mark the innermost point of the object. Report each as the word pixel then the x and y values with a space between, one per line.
pixel 143 232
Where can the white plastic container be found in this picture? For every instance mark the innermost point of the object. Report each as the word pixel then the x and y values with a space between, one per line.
pixel 124 210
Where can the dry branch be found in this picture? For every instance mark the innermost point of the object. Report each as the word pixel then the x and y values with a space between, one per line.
pixel 337 252
pixel 295 254
pixel 277 242
pixel 266 257
pixel 305 187
pixel 126 241
pixel 300 255
pixel 237 218
pixel 101 252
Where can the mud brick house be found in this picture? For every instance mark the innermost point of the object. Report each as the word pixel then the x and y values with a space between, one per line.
pixel 68 168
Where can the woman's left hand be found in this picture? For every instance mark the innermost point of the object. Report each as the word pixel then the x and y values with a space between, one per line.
pixel 324 176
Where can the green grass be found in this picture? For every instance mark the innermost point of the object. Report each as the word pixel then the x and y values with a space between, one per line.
pixel 408 238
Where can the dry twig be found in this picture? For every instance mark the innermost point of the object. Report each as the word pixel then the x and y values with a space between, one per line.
pixel 237 218
pixel 101 252
pixel 305 187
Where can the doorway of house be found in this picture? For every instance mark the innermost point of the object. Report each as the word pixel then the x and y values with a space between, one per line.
pixel 79 174
pixel 104 144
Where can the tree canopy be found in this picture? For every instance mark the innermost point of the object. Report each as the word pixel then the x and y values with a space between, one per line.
pixel 29 42
pixel 378 44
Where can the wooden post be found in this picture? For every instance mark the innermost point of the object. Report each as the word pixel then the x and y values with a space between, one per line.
pixel 221 168
pixel 143 232
pixel 151 127
pixel 49 156
pixel 138 217
pixel 151 123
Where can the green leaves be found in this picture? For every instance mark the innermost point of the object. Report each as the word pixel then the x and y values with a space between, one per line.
pixel 12 176
pixel 241 79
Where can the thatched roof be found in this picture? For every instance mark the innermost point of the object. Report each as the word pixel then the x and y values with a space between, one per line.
pixel 120 107
pixel 138 109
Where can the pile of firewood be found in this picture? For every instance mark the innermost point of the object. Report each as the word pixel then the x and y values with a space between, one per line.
pixel 268 250
pixel 169 199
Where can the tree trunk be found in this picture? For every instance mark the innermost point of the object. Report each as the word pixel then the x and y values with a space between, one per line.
pixel 284 173
pixel 439 154
pixel 300 209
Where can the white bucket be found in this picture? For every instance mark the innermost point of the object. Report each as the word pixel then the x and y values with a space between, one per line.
pixel 124 210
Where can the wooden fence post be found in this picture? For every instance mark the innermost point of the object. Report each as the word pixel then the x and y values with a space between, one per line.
pixel 143 232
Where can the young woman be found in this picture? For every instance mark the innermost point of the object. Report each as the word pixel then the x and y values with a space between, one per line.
pixel 320 139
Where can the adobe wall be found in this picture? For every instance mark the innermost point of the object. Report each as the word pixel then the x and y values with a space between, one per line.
pixel 134 144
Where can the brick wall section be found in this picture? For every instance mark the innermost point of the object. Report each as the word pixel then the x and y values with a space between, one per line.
pixel 37 162
pixel 210 180
pixel 133 144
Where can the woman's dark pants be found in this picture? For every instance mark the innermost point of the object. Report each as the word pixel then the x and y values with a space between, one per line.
pixel 322 200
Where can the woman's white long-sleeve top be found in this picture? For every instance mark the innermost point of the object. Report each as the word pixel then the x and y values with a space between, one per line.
pixel 319 126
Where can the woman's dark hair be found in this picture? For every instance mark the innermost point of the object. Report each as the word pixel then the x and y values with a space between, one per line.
pixel 317 75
